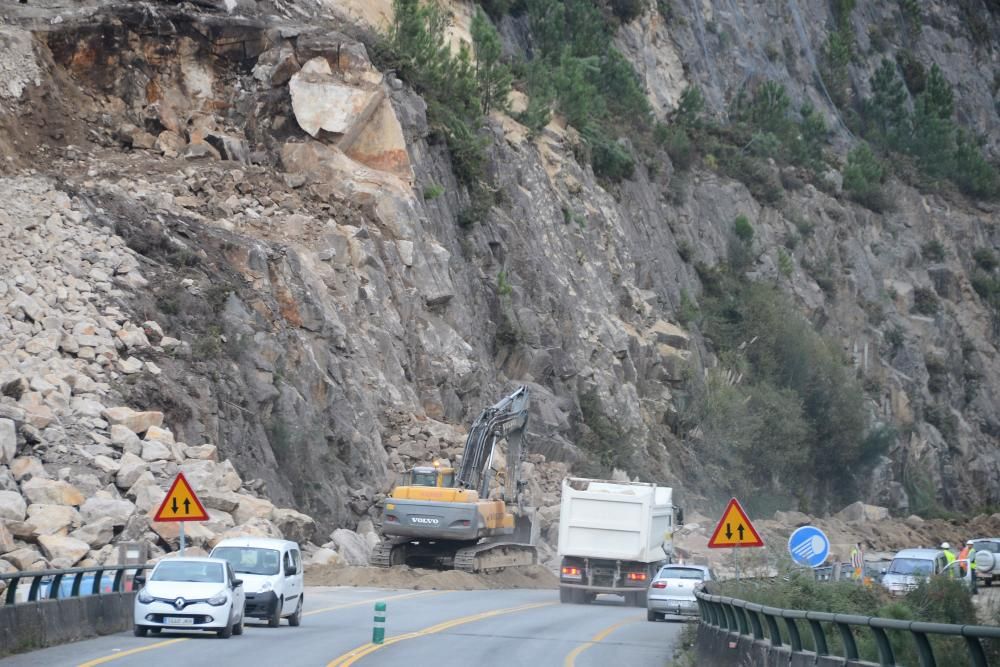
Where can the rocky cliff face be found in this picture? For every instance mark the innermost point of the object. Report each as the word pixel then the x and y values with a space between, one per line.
pixel 244 178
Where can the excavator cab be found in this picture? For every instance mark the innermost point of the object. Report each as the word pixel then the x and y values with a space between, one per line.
pixel 435 475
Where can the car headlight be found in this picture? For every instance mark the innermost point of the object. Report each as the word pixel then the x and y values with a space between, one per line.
pixel 218 599
pixel 266 587
pixel 145 597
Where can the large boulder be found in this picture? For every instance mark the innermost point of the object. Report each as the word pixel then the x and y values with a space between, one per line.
pixel 146 493
pixel 25 467
pixel 860 512
pixel 124 438
pixel 25 558
pixel 354 548
pixel 154 450
pixel 52 519
pixel 295 526
pixel 51 492
pixel 252 508
pixel 225 501
pixel 206 475
pixel 137 422
pixel 322 102
pixel 12 506
pixel 129 469
pixel 63 551
pixel 96 534
pixel 8 441
pixel 6 539
pixel 118 511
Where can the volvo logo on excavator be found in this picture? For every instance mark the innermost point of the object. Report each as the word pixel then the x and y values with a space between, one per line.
pixel 424 519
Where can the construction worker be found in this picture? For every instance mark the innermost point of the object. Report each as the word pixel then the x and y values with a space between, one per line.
pixel 949 556
pixel 968 554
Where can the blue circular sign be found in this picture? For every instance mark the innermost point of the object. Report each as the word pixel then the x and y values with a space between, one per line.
pixel 809 546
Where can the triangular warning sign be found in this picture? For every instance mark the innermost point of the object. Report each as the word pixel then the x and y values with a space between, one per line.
pixel 181 504
pixel 734 529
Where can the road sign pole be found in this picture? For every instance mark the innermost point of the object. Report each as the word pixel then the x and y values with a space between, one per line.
pixel 182 538
pixel 736 561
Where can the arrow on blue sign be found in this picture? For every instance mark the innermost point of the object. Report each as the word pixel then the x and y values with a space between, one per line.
pixel 809 546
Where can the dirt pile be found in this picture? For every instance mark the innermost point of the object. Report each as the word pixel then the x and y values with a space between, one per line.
pixel 532 576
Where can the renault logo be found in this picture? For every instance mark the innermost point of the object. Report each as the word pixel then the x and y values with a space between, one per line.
pixel 179 603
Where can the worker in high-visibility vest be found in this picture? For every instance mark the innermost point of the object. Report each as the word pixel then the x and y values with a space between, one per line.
pixel 969 554
pixel 949 556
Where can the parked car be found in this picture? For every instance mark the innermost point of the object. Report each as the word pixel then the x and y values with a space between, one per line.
pixel 190 594
pixel 992 545
pixel 272 575
pixel 910 566
pixel 672 591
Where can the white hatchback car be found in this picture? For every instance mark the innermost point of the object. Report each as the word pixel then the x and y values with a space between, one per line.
pixel 672 591
pixel 190 594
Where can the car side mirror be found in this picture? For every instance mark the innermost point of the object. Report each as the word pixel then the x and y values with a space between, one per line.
pixel 884 570
pixel 138 580
pixel 237 583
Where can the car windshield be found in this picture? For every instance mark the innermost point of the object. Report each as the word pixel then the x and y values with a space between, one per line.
pixel 208 573
pixel 250 560
pixel 681 573
pixel 992 547
pixel 920 567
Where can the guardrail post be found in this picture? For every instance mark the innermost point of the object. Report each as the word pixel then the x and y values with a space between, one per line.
pixel 758 629
pixel 885 656
pixel 772 626
pixel 794 640
pixel 378 630
pixel 847 637
pixel 95 588
pixel 12 590
pixel 741 620
pixel 75 591
pixel 819 637
pixel 54 587
pixel 730 617
pixel 976 652
pixel 36 582
pixel 924 649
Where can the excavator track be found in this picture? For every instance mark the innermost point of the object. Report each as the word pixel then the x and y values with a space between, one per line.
pixel 494 555
pixel 389 552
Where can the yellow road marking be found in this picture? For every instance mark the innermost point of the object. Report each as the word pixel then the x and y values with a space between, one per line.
pixel 123 654
pixel 599 637
pixel 370 601
pixel 357 603
pixel 356 654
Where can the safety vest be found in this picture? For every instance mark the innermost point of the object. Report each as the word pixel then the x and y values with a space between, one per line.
pixel 950 558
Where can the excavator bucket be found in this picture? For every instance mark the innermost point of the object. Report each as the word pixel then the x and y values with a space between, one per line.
pixel 526 528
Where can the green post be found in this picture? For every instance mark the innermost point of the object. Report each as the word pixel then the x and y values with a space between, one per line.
pixel 378 631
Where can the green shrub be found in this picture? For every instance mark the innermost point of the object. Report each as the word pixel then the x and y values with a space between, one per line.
pixel 886 113
pixel 985 258
pixel 925 301
pixel 627 10
pixel 837 53
pixel 433 191
pixel 932 251
pixel 690 107
pixel 676 141
pixel 785 263
pixel 914 73
pixel 743 229
pixel 973 174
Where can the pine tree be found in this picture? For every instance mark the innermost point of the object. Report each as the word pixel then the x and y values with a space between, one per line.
pixel 887 105
pixel 863 176
pixel 493 77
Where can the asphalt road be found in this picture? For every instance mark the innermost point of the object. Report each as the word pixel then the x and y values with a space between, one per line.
pixel 435 628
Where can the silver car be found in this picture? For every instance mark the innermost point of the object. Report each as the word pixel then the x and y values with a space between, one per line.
pixel 672 591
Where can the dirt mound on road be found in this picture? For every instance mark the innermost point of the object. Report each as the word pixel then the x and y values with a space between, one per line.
pixel 529 576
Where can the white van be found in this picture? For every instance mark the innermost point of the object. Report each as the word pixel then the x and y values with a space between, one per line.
pixel 271 571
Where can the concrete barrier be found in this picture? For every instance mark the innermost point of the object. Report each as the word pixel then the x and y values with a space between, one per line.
pixel 32 625
pixel 720 648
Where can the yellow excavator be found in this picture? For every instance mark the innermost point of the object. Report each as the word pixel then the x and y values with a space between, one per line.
pixel 444 518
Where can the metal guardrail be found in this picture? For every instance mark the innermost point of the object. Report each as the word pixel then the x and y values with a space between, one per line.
pixel 48 584
pixel 745 619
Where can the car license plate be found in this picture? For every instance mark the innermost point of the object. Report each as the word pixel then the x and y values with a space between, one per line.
pixel 174 620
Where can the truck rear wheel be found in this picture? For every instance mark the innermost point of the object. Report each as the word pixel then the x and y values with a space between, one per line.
pixel 566 595
pixel 638 599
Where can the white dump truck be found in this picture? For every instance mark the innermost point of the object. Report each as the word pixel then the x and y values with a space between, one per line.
pixel 613 538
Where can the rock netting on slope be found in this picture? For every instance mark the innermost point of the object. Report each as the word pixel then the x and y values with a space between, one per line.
pixel 79 470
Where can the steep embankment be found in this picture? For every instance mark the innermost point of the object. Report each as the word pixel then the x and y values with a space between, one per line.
pixel 295 217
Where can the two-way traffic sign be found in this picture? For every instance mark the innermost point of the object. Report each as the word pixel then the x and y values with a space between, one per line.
pixel 734 529
pixel 181 503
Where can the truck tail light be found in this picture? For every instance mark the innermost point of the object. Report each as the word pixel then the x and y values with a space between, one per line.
pixel 659 584
pixel 571 572
pixel 636 576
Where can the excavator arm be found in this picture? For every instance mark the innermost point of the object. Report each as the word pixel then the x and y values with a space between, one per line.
pixel 507 419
